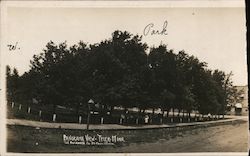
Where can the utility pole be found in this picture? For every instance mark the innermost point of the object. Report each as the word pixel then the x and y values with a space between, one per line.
pixel 225 93
pixel 90 102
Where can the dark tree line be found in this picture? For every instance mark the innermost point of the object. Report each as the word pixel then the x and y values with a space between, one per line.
pixel 119 72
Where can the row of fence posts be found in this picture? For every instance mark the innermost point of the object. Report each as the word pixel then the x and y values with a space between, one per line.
pixel 54 115
pixel 29 110
pixel 146 120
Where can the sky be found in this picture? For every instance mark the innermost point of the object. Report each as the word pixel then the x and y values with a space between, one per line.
pixel 214 35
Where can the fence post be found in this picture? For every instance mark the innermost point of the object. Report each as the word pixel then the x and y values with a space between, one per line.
pixel 20 107
pixel 54 117
pixel 80 119
pixel 40 113
pixel 101 120
pixel 120 120
pixel 29 110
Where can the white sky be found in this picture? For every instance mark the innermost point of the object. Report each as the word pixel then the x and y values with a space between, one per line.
pixel 215 35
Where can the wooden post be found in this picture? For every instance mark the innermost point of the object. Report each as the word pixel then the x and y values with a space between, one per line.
pixel 120 120
pixel 101 120
pixel 29 110
pixel 40 113
pixel 20 107
pixel 161 120
pixel 88 120
pixel 12 104
pixel 90 102
pixel 80 119
pixel 54 117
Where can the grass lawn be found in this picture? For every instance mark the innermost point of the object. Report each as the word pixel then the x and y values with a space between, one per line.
pixel 30 139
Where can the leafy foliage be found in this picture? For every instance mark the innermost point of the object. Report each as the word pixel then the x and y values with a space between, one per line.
pixel 119 72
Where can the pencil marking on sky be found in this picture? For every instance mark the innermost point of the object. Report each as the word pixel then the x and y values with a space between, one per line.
pixel 210 35
pixel 151 30
pixel 13 47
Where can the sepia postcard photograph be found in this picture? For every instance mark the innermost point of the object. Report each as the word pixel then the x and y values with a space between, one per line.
pixel 124 77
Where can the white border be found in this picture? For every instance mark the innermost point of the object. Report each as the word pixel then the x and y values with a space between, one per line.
pixel 98 4
pixel 130 4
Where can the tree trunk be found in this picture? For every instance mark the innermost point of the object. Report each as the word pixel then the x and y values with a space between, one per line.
pixel 88 117
pixel 77 109
pixel 140 110
pixel 138 114
pixel 126 117
pixel 40 114
pixel 137 121
pixel 54 108
pixel 111 110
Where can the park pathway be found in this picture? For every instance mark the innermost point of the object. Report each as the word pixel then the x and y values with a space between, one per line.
pixel 39 124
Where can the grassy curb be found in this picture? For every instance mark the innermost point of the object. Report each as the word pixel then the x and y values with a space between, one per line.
pixel 116 126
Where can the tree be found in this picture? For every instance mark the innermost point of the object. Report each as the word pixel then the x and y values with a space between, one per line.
pixel 164 72
pixel 9 88
pixel 168 101
pixel 119 72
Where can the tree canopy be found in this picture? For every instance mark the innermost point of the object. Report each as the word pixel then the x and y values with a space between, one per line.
pixel 119 72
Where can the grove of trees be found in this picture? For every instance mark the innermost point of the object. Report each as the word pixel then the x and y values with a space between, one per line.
pixel 120 72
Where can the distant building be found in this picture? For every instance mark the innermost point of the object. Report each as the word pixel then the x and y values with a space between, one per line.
pixel 242 107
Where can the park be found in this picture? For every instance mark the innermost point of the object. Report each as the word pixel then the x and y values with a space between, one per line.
pixel 120 82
